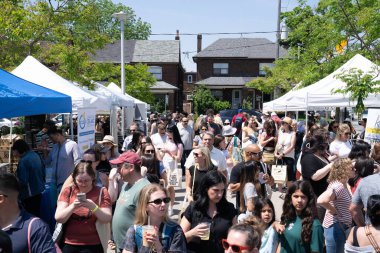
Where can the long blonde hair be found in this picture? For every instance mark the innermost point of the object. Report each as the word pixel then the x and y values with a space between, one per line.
pixel 142 204
pixel 206 153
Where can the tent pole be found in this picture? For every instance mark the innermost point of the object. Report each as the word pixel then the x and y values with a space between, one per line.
pixel 10 147
pixel 71 126
pixel 307 115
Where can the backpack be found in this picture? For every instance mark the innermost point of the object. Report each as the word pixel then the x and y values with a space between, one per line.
pixel 167 231
pixel 238 122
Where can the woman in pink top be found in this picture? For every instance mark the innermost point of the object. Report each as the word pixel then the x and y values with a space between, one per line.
pixel 337 199
pixel 172 154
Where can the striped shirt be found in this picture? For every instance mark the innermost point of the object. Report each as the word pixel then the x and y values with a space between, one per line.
pixel 341 203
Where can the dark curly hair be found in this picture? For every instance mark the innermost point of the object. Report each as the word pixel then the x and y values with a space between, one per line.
pixel 308 213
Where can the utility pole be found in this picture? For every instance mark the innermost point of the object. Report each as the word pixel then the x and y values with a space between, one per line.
pixel 278 34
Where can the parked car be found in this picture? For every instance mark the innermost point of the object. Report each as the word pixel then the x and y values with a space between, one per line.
pixel 229 114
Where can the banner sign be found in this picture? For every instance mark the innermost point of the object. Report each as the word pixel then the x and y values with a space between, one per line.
pixel 86 128
pixel 372 130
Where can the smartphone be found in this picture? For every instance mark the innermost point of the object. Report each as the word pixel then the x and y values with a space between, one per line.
pixel 81 196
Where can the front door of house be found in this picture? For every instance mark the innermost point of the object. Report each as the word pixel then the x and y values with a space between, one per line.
pixel 236 99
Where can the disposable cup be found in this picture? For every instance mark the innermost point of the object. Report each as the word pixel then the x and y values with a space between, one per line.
pixel 206 234
pixel 147 230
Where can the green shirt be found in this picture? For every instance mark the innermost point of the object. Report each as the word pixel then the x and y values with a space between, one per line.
pixel 124 215
pixel 291 241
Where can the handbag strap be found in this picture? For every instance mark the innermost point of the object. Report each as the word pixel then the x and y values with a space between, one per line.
pixel 192 187
pixel 100 195
pixel 29 231
pixel 371 239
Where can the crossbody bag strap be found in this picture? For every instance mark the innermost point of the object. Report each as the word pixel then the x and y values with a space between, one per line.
pixel 371 239
pixel 29 234
pixel 192 187
pixel 100 196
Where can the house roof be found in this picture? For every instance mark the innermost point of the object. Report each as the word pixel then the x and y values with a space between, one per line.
pixel 163 87
pixel 253 48
pixel 225 81
pixel 143 51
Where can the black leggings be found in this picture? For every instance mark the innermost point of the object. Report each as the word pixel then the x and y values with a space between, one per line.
pixel 289 167
pixel 69 248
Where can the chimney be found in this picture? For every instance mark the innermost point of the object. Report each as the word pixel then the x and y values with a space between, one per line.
pixel 199 42
pixel 177 35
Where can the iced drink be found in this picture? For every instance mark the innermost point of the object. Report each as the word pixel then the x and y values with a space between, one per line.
pixel 147 230
pixel 206 235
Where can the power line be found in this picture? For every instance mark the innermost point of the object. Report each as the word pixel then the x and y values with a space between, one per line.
pixel 210 33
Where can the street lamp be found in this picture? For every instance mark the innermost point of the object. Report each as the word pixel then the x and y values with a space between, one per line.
pixel 122 16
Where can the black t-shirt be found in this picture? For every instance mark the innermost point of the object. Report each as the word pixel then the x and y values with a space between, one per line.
pixel 199 175
pixel 310 164
pixel 104 167
pixel 235 178
pixel 220 224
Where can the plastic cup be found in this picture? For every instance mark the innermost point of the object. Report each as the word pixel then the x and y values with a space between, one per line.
pixel 206 235
pixel 147 230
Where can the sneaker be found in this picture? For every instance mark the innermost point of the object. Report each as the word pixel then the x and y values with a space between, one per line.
pixel 170 211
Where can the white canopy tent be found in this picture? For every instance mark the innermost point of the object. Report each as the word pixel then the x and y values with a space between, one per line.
pixel 34 71
pixel 320 94
pixel 116 98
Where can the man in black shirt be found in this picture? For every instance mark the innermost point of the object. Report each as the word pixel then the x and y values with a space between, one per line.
pixel 252 153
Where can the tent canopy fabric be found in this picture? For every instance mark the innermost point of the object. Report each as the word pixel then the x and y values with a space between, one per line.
pixel 321 94
pixel 23 98
pixel 34 71
pixel 116 97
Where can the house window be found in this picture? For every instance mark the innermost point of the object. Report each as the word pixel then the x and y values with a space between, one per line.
pixel 262 72
pixel 220 68
pixel 189 78
pixel 218 94
pixel 189 97
pixel 156 71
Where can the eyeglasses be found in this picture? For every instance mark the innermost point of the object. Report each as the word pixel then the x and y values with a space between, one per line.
pixel 159 201
pixel 149 151
pixel 226 123
pixel 255 154
pixel 235 248
pixel 197 154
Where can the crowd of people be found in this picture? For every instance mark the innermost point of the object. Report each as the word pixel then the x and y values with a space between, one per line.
pixel 121 197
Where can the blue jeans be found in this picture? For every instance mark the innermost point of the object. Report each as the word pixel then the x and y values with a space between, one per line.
pixel 335 238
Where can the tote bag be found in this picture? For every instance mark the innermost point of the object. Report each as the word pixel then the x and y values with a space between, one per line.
pixel 279 173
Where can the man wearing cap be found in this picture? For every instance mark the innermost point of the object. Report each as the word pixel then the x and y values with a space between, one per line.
pixel 129 168
pixel 217 156
pixel 252 153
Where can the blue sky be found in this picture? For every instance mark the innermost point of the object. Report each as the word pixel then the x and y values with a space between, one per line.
pixel 209 16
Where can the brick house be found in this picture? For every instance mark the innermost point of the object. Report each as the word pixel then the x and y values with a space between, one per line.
pixel 228 64
pixel 164 60
pixel 190 78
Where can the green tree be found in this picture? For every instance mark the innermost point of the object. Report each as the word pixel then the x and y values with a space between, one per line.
pixel 313 39
pixel 202 99
pixel 138 82
pixel 219 105
pixel 247 103
pixel 62 33
pixel 359 86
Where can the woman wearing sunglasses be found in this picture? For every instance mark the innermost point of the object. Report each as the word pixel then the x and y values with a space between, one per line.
pixel 210 214
pixel 244 238
pixel 342 144
pixel 197 141
pixel 150 150
pixel 197 171
pixel 152 210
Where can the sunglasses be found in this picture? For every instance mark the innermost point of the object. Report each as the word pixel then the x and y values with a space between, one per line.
pixel 235 248
pixel 87 161
pixel 347 133
pixel 255 154
pixel 149 151
pixel 204 129
pixel 197 154
pixel 159 201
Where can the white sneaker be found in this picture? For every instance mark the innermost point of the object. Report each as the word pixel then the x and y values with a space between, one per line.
pixel 170 211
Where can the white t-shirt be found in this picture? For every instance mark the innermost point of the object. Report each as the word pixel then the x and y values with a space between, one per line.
pixel 340 148
pixel 217 158
pixel 249 192
pixel 158 140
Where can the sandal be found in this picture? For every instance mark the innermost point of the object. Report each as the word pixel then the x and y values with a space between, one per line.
pixel 111 245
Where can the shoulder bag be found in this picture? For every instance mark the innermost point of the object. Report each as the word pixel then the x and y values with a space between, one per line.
pixel 371 239
pixel 103 229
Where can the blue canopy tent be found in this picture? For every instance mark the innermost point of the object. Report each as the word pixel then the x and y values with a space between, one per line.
pixel 19 97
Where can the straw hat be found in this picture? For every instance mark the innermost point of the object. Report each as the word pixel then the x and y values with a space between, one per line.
pixel 108 139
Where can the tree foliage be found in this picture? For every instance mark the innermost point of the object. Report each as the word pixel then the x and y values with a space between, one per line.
pixel 63 34
pixel 313 38
pixel 359 85
pixel 138 82
pixel 203 100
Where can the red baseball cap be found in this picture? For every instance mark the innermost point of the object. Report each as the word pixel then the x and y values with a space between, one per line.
pixel 127 157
